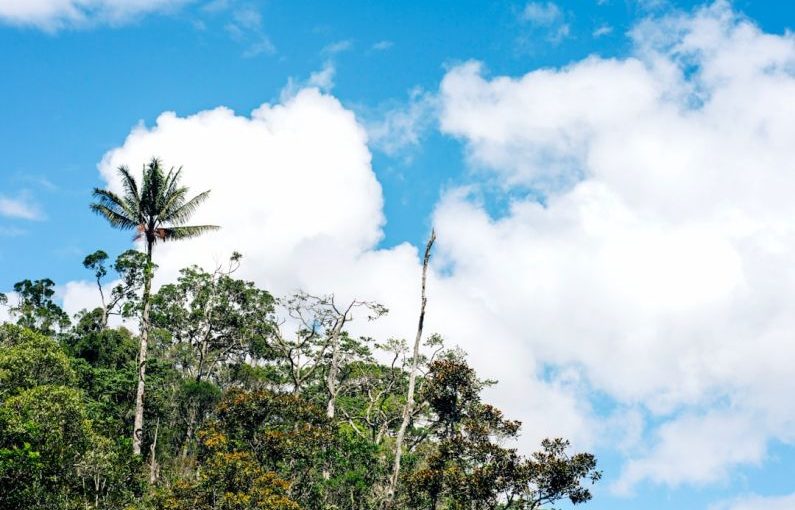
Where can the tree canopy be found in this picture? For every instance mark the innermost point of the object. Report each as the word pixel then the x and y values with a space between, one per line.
pixel 253 402
pixel 238 392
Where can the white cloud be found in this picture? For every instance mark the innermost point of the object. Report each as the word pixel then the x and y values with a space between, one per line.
pixel 286 163
pixel 246 27
pixel 540 13
pixel 382 45
pixel 57 14
pixel 263 46
pixel 755 502
pixel 549 17
pixel 403 127
pixel 248 18
pixel 84 295
pixel 697 449
pixel 602 30
pixel 653 5
pixel 660 261
pixel 5 312
pixel 21 207
pixel 293 189
pixel 214 6
pixel 337 47
pixel 324 78
pixel 657 272
pixel 80 295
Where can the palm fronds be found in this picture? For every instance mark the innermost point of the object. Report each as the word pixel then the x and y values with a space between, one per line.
pixel 185 232
pixel 157 209
pixel 115 209
pixel 180 212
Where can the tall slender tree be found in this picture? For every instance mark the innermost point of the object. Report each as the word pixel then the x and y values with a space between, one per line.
pixel 157 210
pixel 408 408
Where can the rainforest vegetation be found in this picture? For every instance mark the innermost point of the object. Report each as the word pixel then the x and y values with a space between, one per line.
pixel 219 395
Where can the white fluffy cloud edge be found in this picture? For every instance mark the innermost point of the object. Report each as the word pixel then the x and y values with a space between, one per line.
pixel 657 272
pixel 52 15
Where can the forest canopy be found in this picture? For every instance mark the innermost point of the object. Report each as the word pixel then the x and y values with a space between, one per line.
pixel 220 395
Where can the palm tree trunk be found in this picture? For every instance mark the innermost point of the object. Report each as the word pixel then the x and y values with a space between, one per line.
pixel 139 395
pixel 409 407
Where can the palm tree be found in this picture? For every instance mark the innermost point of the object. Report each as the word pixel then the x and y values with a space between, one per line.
pixel 157 211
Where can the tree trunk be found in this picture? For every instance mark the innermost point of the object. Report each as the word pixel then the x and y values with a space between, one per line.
pixel 331 378
pixel 139 395
pixel 333 373
pixel 105 311
pixel 192 416
pixel 409 407
pixel 154 467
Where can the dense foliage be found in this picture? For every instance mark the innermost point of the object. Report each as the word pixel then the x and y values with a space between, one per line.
pixel 241 409
pixel 226 398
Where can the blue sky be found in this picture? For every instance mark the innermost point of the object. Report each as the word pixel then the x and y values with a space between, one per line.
pixel 78 91
pixel 610 180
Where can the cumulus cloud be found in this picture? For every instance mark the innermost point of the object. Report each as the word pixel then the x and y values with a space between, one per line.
pixel 697 449
pixel 81 295
pixel 655 270
pixel 268 187
pixel 294 191
pixel 57 14
pixel 659 258
pixel 84 295
pixel 21 207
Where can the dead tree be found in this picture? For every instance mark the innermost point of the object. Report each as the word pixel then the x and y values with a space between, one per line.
pixel 409 407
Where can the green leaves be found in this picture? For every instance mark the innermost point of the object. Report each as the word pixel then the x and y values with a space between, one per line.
pixel 43 433
pixel 157 210
pixel 178 211
pixel 29 359
pixel 96 263
pixel 230 481
pixel 468 468
pixel 242 410
pixel 552 474
pixel 117 210
pixel 213 321
pixel 36 309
